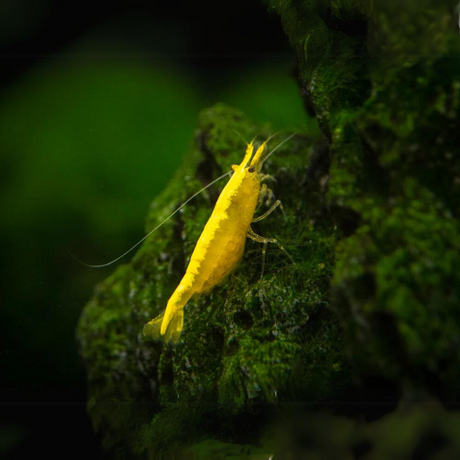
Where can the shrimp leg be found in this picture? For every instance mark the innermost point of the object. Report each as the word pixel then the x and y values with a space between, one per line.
pixel 267 213
pixel 265 195
pixel 262 239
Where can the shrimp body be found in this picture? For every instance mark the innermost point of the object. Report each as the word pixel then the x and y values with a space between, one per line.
pixel 220 246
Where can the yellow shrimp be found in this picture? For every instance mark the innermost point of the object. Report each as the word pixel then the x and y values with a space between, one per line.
pixel 221 244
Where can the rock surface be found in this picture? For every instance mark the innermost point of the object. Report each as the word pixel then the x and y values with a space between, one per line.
pixel 246 342
pixel 370 311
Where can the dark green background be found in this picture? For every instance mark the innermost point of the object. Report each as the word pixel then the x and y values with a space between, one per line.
pixel 97 107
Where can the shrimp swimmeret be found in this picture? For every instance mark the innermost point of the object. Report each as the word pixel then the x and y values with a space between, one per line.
pixel 221 244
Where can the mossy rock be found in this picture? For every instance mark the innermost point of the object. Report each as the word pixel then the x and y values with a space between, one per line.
pixel 247 343
pixel 369 311
pixel 384 81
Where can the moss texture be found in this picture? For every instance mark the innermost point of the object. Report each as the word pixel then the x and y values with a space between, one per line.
pixel 370 310
pixel 248 341
pixel 386 91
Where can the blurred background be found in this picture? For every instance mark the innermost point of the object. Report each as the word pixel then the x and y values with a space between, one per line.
pixel 97 107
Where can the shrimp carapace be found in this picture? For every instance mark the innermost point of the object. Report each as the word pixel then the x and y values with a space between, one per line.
pixel 221 244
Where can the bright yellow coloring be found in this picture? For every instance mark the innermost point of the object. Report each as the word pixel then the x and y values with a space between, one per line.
pixel 221 245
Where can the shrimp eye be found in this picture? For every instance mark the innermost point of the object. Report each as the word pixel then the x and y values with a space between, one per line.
pixel 251 169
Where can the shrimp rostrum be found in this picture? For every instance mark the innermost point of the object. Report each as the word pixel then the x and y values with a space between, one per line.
pixel 221 244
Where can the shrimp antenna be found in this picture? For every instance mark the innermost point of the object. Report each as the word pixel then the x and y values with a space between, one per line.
pixel 151 231
pixel 239 134
pixel 278 146
pixel 231 127
pixel 271 137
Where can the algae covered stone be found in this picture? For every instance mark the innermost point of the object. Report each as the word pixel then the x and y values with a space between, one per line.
pixel 370 311
pixel 249 340
pixel 383 79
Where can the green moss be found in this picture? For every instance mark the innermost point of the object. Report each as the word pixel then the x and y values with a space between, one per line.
pixel 388 99
pixel 329 39
pixel 397 274
pixel 248 341
pixel 403 264
pixel 373 209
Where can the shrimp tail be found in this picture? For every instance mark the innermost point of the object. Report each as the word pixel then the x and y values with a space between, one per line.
pixel 171 326
pixel 153 327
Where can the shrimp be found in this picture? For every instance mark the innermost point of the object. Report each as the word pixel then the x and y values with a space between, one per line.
pixel 221 244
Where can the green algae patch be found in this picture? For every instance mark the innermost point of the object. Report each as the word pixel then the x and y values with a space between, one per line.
pixel 250 342
pixel 383 80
